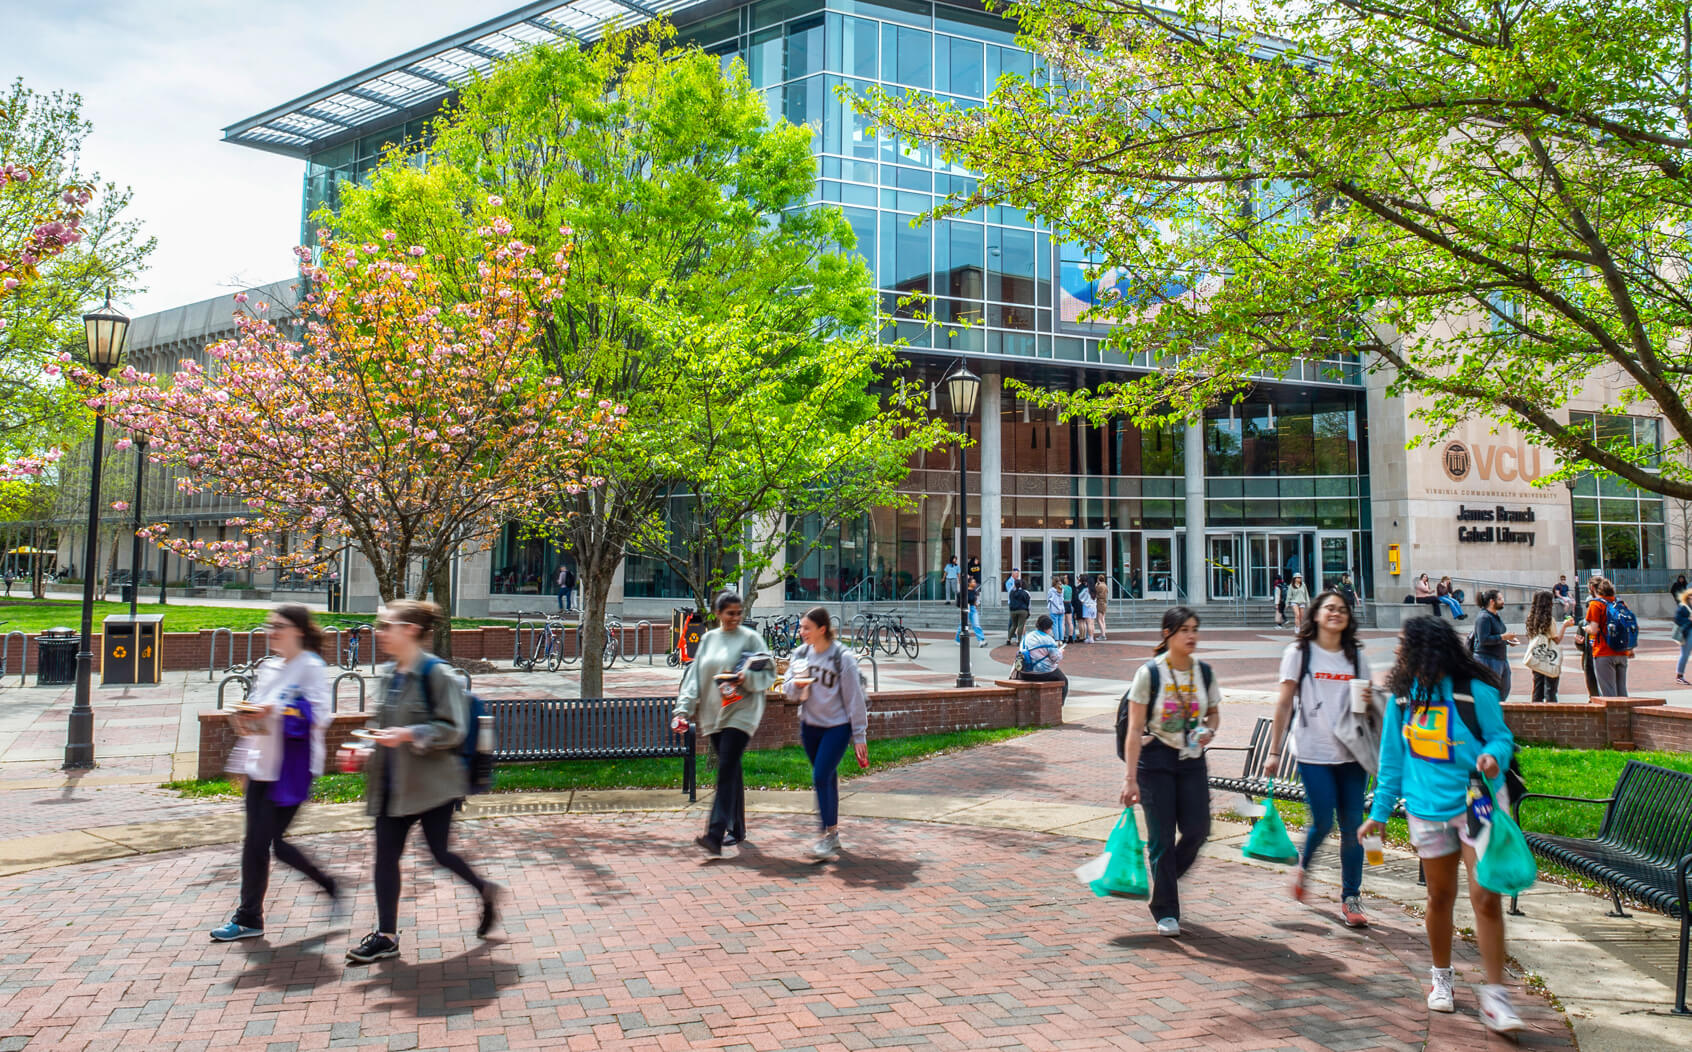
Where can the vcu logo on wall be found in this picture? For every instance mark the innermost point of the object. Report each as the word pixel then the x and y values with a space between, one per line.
pixel 1456 461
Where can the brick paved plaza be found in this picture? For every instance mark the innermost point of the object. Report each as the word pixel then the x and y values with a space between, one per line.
pixel 952 921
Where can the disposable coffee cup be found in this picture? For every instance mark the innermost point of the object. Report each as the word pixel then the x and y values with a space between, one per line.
pixel 1359 696
pixel 1374 852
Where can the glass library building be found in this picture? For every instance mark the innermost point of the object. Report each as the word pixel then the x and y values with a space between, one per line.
pixel 1289 481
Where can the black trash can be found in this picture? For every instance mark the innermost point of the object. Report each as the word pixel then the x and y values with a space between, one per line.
pixel 56 657
pixel 127 593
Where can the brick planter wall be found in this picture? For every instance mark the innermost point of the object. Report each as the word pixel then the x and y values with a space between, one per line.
pixel 903 713
pixel 1666 730
pixel 1602 723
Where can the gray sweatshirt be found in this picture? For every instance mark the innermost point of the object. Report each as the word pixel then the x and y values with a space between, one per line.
pixel 836 696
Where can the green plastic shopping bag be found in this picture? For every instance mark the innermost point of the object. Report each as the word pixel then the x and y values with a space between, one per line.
pixel 1125 862
pixel 1506 862
pixel 1269 841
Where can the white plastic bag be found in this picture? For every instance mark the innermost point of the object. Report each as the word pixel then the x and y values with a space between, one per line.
pixel 1088 872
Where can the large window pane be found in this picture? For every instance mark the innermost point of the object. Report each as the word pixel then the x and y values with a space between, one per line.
pixel 958 66
pixel 863 225
pixel 1621 547
pixel 904 254
pixel 766 58
pixel 905 57
pixel 1010 265
pixel 854 46
pixel 1222 454
pixel 804 47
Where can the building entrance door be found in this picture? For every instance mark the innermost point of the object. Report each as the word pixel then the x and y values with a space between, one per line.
pixel 1043 557
pixel 1333 559
pixel 1270 555
pixel 1158 560
pixel 1223 560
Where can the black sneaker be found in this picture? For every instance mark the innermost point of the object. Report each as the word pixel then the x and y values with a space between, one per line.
pixel 491 894
pixel 714 850
pixel 375 947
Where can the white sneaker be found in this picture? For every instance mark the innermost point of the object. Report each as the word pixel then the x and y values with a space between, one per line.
pixel 1169 926
pixel 826 848
pixel 1440 998
pixel 1497 1012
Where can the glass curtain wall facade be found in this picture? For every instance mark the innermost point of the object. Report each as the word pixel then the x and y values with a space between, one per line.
pixel 1618 527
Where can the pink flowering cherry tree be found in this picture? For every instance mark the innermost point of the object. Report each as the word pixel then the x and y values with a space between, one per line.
pixel 392 418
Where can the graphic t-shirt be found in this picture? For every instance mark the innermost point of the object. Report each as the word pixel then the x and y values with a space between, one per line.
pixel 1321 701
pixel 1182 702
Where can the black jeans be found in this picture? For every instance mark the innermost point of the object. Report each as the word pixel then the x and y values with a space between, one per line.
pixel 1545 688
pixel 1175 794
pixel 266 825
pixel 728 807
pixel 391 832
pixel 1018 625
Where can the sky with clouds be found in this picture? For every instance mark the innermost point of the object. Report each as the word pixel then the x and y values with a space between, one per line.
pixel 160 79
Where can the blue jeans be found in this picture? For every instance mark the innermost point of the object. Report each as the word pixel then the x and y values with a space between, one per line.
pixel 1452 605
pixel 1329 787
pixel 824 747
pixel 1685 649
pixel 974 626
pixel 1501 668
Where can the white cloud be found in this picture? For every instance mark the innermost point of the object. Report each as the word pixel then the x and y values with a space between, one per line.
pixel 160 80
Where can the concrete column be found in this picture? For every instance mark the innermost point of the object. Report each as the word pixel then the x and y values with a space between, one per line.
pixel 614 595
pixel 473 586
pixel 1193 449
pixel 991 452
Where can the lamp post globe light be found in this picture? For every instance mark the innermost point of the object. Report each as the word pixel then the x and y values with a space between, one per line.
pixel 963 387
pixel 108 331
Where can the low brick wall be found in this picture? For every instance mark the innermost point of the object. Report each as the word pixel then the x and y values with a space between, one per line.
pixel 217 737
pixel 1665 730
pixel 893 714
pixel 1601 723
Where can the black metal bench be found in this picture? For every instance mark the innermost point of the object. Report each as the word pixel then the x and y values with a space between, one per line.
pixel 1252 782
pixel 1643 848
pixel 529 729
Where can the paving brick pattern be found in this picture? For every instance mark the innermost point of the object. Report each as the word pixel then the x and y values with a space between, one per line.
pixel 924 936
pixel 27 812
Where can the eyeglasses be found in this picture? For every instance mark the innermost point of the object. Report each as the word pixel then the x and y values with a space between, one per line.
pixel 277 626
pixel 380 625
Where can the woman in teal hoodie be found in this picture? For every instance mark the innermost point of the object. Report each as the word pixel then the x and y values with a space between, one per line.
pixel 1428 749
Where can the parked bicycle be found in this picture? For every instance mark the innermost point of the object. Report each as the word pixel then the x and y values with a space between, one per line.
pixel 886 632
pixel 548 644
pixel 781 634
pixel 351 645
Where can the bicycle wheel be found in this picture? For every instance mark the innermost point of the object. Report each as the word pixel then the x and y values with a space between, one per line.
pixel 608 656
pixel 908 641
pixel 554 649
pixel 889 639
pixel 537 650
pixel 858 633
pixel 782 644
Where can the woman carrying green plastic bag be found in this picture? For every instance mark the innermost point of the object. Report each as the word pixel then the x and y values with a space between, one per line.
pixel 1172 710
pixel 1427 751
pixel 1121 870
pixel 1505 864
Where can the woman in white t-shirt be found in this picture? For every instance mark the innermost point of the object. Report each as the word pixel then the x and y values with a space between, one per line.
pixel 1337 749
pixel 1167 731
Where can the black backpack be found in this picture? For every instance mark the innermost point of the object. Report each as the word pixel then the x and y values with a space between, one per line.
pixel 1122 709
pixel 1464 702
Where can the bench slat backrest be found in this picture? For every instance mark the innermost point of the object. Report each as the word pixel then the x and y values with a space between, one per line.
pixel 1257 749
pixel 539 728
pixel 1651 814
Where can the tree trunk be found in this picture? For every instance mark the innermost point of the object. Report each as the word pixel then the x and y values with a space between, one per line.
pixel 594 571
pixel 440 580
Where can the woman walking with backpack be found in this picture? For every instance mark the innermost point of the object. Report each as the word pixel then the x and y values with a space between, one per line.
pixel 281 750
pixel 833 710
pixel 1428 749
pixel 1338 747
pixel 415 775
pixel 1173 713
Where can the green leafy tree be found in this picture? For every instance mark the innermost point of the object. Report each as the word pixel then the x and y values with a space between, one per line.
pixel 687 207
pixel 64 241
pixel 1490 201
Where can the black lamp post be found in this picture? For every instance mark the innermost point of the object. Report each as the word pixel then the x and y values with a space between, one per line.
pixel 108 331
pixel 1574 538
pixel 135 547
pixel 963 387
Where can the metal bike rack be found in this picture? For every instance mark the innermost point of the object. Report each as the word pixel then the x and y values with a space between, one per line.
pixel 651 639
pixel 211 660
pixel 517 640
pixel 263 650
pixel 336 631
pixel 875 671
pixel 6 655
pixel 463 675
pixel 335 691
pixel 242 678
pixel 564 638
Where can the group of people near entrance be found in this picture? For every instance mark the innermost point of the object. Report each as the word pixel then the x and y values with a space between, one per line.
pixel 1441 718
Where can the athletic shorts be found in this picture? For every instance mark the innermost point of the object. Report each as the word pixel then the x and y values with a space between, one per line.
pixel 1438 839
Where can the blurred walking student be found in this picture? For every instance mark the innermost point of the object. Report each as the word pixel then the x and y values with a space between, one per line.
pixel 1428 750
pixel 415 775
pixel 1041 653
pixel 833 711
pixel 1545 635
pixel 722 692
pixel 280 751
pixel 1338 747
pixel 1683 633
pixel 1174 713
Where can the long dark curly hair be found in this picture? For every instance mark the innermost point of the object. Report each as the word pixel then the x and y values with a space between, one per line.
pixel 1428 651
pixel 1307 628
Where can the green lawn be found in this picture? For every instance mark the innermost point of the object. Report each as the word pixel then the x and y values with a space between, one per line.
pixel 764 769
pixel 28 615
